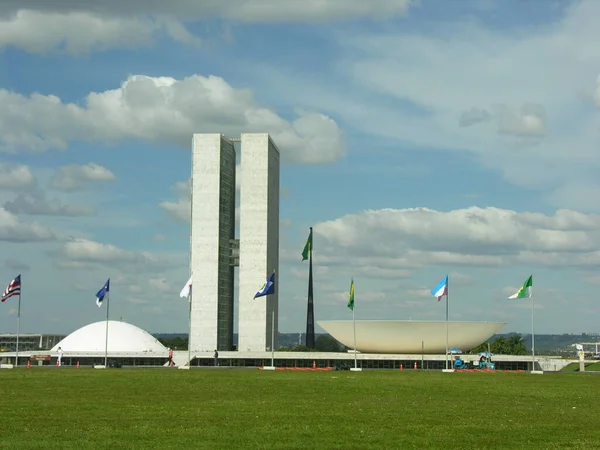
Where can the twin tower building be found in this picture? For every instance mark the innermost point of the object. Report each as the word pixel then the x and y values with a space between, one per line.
pixel 216 250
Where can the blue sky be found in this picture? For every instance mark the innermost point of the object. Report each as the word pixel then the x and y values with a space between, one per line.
pixel 419 138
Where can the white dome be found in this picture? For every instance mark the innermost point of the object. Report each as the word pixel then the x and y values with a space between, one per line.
pixel 122 337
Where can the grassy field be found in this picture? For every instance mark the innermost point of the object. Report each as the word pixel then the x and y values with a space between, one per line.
pixel 589 367
pixel 250 409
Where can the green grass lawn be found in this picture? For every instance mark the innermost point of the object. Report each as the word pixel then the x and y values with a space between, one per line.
pixel 251 409
pixel 589 367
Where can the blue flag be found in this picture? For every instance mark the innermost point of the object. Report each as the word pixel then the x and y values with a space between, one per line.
pixel 102 293
pixel 268 288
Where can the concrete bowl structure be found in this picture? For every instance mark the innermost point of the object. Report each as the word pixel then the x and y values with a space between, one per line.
pixel 122 338
pixel 410 336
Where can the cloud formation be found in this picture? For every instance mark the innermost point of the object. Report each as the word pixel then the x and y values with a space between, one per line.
pixel 12 229
pixel 16 177
pixel 74 177
pixel 38 204
pixel 86 252
pixel 401 239
pixel 84 26
pixel 163 110
pixel 517 103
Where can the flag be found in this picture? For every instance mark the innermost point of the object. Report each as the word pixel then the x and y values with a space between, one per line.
pixel 441 289
pixel 268 288
pixel 525 291
pixel 351 296
pixel 102 293
pixel 14 288
pixel 307 252
pixel 187 289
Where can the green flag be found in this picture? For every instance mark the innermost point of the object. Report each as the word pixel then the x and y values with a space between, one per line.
pixel 307 247
pixel 351 296
pixel 525 291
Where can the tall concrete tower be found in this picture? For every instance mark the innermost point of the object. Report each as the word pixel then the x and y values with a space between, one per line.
pixel 215 251
pixel 259 241
pixel 212 242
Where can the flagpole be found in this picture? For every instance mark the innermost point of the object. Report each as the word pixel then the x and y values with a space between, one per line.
pixel 190 331
pixel 310 313
pixel 18 325
pixel 532 334
pixel 273 338
pixel 354 326
pixel 447 315
pixel 106 336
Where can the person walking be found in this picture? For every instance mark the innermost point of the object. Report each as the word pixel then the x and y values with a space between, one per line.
pixel 60 355
pixel 216 358
pixel 171 363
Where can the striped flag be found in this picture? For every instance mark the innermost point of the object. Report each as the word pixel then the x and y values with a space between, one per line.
pixel 14 288
pixel 441 289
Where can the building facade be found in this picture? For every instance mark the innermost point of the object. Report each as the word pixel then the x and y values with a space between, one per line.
pixel 215 251
pixel 212 240
pixel 259 241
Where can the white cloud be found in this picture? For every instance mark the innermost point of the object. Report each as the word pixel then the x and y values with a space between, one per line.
pixel 14 230
pixel 526 95
pixel 37 204
pixel 239 10
pixel 74 177
pixel 404 239
pixel 529 121
pixel 160 284
pixel 84 26
pixel 88 252
pixel 163 110
pixel 16 178
pixel 180 210
pixel 76 33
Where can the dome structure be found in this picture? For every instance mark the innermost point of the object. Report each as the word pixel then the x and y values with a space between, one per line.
pixel 122 338
pixel 410 336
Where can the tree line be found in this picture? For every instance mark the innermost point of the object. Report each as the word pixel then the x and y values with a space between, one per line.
pixel 513 345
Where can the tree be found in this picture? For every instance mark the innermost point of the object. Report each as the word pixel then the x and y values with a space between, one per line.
pixel 517 345
pixel 514 345
pixel 326 343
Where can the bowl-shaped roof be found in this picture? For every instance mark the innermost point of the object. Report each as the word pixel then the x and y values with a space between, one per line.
pixel 122 337
pixel 410 336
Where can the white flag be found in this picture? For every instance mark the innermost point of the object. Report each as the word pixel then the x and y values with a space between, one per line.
pixel 187 289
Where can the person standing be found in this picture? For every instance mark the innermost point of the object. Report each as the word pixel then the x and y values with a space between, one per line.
pixel 171 363
pixel 216 358
pixel 60 354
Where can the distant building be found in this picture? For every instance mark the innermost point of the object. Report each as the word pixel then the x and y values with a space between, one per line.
pixel 28 342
